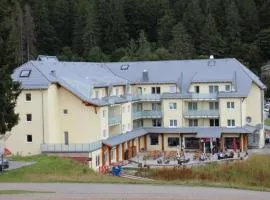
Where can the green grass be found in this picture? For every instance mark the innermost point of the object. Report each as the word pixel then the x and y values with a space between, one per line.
pixel 252 174
pixel 267 122
pixel 2 192
pixel 56 169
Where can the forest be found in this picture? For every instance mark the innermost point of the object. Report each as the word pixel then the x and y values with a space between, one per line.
pixel 131 30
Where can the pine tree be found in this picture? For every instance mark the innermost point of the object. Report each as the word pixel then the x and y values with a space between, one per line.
pixel 211 41
pixel 165 26
pixel 181 44
pixel 29 34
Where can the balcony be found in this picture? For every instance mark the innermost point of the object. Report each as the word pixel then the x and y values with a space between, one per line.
pixel 201 114
pixel 204 97
pixel 146 114
pixel 114 120
pixel 147 97
pixel 63 148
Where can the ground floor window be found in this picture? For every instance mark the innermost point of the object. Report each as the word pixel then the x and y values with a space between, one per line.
pixel 153 139
pixel 232 143
pixel 156 122
pixel 173 141
pixel 97 160
pixel 192 143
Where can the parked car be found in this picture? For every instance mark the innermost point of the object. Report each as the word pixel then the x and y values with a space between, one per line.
pixel 4 165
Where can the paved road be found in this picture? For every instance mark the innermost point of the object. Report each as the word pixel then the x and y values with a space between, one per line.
pixel 116 191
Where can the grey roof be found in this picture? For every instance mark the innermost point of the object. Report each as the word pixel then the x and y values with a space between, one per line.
pixel 112 141
pixel 81 77
pixel 192 70
pixel 201 132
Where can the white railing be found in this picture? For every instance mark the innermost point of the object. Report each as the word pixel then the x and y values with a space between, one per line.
pixel 63 148
pixel 201 113
pixel 147 114
pixel 114 120
pixel 148 97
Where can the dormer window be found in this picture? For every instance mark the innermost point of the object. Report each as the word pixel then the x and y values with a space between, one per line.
pixel 227 88
pixel 96 94
pixel 25 73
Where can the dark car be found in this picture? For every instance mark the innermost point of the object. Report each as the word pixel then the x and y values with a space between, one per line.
pixel 4 165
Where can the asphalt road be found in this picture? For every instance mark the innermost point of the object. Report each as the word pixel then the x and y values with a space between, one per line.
pixel 80 191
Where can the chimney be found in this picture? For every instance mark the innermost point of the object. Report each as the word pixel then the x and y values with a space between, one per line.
pixel 145 76
pixel 211 61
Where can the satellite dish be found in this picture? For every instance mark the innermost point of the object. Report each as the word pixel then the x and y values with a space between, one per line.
pixel 248 119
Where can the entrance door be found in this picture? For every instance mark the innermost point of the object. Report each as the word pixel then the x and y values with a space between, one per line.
pixel 66 137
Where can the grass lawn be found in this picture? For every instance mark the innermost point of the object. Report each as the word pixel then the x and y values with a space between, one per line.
pixel 251 174
pixel 20 192
pixel 56 169
pixel 267 122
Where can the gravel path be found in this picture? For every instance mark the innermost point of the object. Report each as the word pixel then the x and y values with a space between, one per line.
pixel 18 164
pixel 79 191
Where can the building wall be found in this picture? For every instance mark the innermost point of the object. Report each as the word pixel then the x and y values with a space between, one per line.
pixel 229 113
pixel 127 117
pixel 103 115
pixel 172 114
pixel 147 89
pixel 204 87
pixel 82 122
pixel 256 96
pixel 16 140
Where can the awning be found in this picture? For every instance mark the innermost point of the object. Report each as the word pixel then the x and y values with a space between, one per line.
pixel 208 133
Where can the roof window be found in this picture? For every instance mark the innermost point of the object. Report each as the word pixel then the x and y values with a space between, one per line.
pixel 25 73
pixel 124 67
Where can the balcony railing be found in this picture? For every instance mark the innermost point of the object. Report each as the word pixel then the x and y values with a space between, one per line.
pixel 63 148
pixel 201 113
pixel 147 97
pixel 209 96
pixel 146 114
pixel 114 120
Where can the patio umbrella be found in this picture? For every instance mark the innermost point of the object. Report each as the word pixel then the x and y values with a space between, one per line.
pixel 234 145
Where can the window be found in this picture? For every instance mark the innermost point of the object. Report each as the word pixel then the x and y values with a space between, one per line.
pixel 197 89
pixel 155 90
pixel 97 160
pixel 231 122
pixel 29 117
pixel 231 143
pixel 156 106
pixel 172 106
pixel 66 138
pixel 153 139
pixel 192 143
pixel 139 107
pixel 227 88
pixel 139 90
pixel 213 88
pixel 213 106
pixel 172 89
pixel 28 96
pixel 104 133
pixel 65 111
pixel 173 141
pixel 192 106
pixel 156 122
pixel 117 92
pixel 104 113
pixel 193 122
pixel 112 154
pixel 25 73
pixel 230 104
pixel 96 94
pixel 29 138
pixel 173 123
pixel 214 122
